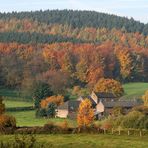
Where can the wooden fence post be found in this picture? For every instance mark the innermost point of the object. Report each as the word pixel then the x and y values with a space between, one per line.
pixel 104 131
pixel 112 131
pixel 140 133
pixel 119 132
pixel 128 132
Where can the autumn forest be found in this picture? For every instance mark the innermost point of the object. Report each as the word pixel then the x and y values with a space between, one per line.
pixel 54 47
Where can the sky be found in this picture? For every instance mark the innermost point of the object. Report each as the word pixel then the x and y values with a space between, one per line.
pixel 138 9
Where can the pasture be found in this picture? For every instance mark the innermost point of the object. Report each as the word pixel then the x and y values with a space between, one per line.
pixel 134 90
pixel 86 140
pixel 27 118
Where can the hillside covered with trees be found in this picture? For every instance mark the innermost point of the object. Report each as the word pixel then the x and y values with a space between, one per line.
pixel 70 48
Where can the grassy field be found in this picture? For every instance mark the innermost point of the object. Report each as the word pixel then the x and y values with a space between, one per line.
pixel 87 141
pixel 11 103
pixel 135 89
pixel 27 118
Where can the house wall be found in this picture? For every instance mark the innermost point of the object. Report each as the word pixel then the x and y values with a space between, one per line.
pixel 62 113
pixel 80 99
pixel 72 115
pixel 94 97
pixel 100 107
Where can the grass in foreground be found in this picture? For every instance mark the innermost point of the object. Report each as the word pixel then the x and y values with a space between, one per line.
pixel 27 118
pixel 87 141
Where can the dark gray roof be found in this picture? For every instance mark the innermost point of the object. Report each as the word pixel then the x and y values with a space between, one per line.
pixel 63 106
pixel 126 104
pixel 92 101
pixel 105 95
pixel 71 105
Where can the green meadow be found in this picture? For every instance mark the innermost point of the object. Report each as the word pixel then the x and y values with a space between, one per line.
pixel 86 141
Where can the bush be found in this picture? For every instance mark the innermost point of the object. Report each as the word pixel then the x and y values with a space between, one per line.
pixel 23 141
pixel 47 112
pixel 51 110
pixel 142 122
pixel 50 125
pixel 142 109
pixel 41 112
pixel 129 119
pixel 64 125
pixel 7 121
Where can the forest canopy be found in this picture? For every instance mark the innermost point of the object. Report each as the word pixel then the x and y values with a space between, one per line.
pixel 70 48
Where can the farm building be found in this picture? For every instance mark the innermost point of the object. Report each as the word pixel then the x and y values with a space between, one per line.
pixel 103 103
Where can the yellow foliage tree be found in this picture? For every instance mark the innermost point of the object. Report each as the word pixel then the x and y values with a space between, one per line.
pixel 145 98
pixel 109 86
pixel 125 60
pixel 85 115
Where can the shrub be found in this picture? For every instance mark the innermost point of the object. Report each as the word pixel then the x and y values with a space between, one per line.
pixel 7 121
pixel 64 125
pixel 142 109
pixel 51 110
pixel 142 122
pixel 23 141
pixel 129 119
pixel 118 121
pixel 41 112
pixel 49 126
pixel 117 111
pixel 107 125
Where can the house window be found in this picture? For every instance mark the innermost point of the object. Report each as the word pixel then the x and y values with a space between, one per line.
pixel 72 108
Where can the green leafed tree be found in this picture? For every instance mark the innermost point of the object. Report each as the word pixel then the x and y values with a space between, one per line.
pixel 41 91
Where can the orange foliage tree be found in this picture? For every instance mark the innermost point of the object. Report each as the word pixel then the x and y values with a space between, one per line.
pixel 109 86
pixel 85 115
pixel 58 100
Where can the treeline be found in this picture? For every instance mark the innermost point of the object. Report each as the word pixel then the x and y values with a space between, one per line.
pixel 79 19
pixel 43 33
pixel 27 37
pixel 64 65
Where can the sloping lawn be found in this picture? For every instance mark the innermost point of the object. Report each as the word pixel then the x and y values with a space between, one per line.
pixel 11 103
pixel 27 118
pixel 135 89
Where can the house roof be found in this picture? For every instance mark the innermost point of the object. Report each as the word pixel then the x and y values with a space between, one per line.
pixel 105 95
pixel 71 105
pixel 127 104
pixel 63 106
pixel 92 101
pixel 90 98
